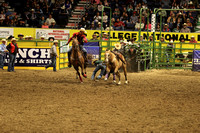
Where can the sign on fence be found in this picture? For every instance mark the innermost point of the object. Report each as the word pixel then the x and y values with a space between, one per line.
pixel 33 57
pixel 63 47
pixel 57 34
pixel 196 60
pixel 4 32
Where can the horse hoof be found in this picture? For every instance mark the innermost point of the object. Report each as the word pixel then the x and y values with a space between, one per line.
pixel 84 75
pixel 119 83
pixel 114 81
pixel 126 82
pixel 105 79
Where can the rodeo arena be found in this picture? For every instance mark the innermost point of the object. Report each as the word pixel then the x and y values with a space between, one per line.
pixel 99 66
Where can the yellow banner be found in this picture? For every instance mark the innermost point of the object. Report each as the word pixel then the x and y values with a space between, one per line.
pixel 115 35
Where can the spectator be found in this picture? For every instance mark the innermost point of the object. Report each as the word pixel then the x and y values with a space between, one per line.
pixel 105 36
pixel 53 25
pixel 68 7
pixel 20 36
pixel 26 37
pixel 45 25
pixel 99 26
pixel 137 26
pixel 116 13
pixel 49 20
pixel 41 21
pixel 13 50
pixel 149 27
pixel 53 55
pixel 158 28
pixel 21 23
pixel 42 38
pixel 108 28
pixel 100 6
pixel 31 18
pixel 119 25
pixel 3 51
pixel 92 27
pixel 105 19
pixel 87 17
pixel 124 17
pixel 166 28
pixel 192 40
pixel 83 24
pixel 134 19
pixel 2 15
pixel 97 19
pixel 94 37
pixel 185 29
pixel 171 21
pixel 177 29
pixel 189 24
pixel 7 21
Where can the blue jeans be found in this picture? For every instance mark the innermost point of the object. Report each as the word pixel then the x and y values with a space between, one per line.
pixel 99 67
pixel 2 58
pixel 11 63
pixel 52 64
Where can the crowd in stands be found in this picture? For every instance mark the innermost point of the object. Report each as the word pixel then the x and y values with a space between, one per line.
pixel 125 14
pixel 36 13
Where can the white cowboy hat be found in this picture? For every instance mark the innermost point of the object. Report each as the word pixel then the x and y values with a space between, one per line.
pixel 42 37
pixel 13 39
pixel 171 41
pixel 130 43
pixel 118 46
pixel 184 24
pixel 3 40
pixel 26 36
pixel 192 36
pixel 105 33
pixel 190 3
pixel 83 29
pixel 55 41
pixel 99 22
pixel 125 41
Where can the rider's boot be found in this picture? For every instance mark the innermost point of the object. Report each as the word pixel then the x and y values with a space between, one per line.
pixel 69 61
pixel 85 56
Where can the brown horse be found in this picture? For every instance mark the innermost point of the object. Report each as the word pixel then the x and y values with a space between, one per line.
pixel 113 65
pixel 77 59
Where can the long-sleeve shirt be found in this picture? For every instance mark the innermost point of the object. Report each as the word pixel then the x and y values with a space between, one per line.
pixel 118 24
pixel 2 49
pixel 53 51
pixel 80 38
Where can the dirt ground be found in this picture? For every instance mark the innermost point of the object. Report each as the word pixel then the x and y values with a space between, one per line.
pixel 47 101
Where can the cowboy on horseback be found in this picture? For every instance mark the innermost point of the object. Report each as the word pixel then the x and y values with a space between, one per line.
pixel 81 38
pixel 118 53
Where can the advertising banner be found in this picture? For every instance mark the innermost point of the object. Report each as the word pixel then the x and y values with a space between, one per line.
pixel 4 32
pixel 31 57
pixel 196 60
pixel 134 34
pixel 57 34
pixel 93 51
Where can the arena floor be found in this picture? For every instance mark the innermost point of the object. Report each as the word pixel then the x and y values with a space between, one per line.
pixel 47 101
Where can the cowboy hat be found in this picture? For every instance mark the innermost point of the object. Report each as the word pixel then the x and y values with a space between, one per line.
pixel 83 29
pixel 118 46
pixel 51 38
pixel 26 36
pixel 42 37
pixel 130 43
pixel 20 35
pixel 192 36
pixel 94 61
pixel 13 39
pixel 171 41
pixel 105 33
pixel 55 41
pixel 185 24
pixel 3 40
pixel 190 3
pixel 125 41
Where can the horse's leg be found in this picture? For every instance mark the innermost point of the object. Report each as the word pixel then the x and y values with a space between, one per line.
pixel 107 73
pixel 118 75
pixel 82 70
pixel 125 73
pixel 76 75
pixel 114 73
pixel 77 72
